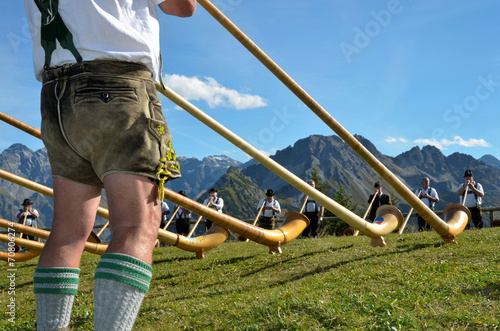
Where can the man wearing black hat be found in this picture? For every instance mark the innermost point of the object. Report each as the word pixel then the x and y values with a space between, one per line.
pixel 214 202
pixel 27 215
pixel 182 218
pixel 270 208
pixel 473 198
pixel 380 199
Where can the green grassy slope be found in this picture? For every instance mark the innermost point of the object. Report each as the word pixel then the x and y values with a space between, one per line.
pixel 333 283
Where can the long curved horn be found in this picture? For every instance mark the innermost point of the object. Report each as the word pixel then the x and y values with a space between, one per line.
pixel 199 245
pixel 369 229
pixel 274 245
pixel 293 224
pixel 209 241
pixel 407 218
pixel 90 247
pixel 103 212
pixel 168 222
pixel 11 256
pixel 214 237
pixel 366 212
pixel 439 225
pixel 19 256
pixel 21 125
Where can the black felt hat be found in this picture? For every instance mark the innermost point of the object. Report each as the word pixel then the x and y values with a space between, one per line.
pixel 468 173
pixel 27 202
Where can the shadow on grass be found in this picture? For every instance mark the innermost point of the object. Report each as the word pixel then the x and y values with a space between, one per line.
pixel 177 259
pixel 271 266
pixel 489 290
pixel 230 261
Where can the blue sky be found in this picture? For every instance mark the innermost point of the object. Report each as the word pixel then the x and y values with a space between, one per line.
pixel 400 73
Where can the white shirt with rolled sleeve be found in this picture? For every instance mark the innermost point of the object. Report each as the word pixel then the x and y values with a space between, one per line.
pixel 269 212
pixel 431 192
pixel 131 34
pixel 470 200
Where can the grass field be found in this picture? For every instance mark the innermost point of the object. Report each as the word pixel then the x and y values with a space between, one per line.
pixel 332 283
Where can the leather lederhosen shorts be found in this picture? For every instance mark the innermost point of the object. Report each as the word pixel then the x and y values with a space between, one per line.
pixel 102 117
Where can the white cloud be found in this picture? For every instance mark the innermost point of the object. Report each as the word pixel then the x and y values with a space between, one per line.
pixel 213 93
pixel 443 143
pixel 392 140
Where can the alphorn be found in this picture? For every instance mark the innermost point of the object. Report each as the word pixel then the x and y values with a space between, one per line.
pixel 303 204
pixel 197 221
pixel 171 217
pixel 12 256
pixel 291 228
pixel 274 239
pixel 407 218
pixel 260 212
pixel 90 247
pixel 356 232
pixel 448 229
pixel 169 221
pixel 48 192
pixel 373 231
pixel 241 238
pixel 24 222
pixel 198 245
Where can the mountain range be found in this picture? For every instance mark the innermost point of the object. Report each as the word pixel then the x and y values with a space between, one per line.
pixel 242 185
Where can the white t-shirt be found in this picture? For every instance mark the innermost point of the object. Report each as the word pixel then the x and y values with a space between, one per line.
pixel 311 206
pixel 470 200
pixel 269 212
pixel 126 30
pixel 29 218
pixel 217 204
pixel 164 209
pixel 430 191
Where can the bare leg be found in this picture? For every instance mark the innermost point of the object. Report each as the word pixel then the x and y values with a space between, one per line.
pixel 75 207
pixel 134 215
pixel 124 273
pixel 57 275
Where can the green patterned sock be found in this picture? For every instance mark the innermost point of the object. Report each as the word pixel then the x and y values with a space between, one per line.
pixel 121 282
pixel 55 290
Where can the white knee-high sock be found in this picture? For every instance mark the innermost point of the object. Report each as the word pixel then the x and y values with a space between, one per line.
pixel 55 290
pixel 121 282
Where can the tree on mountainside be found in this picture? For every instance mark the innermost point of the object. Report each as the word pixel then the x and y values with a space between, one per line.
pixel 337 227
pixel 341 197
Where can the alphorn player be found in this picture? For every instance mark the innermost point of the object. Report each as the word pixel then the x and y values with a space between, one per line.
pixel 313 211
pixel 182 218
pixel 473 198
pixel 429 196
pixel 380 199
pixel 215 202
pixel 27 215
pixel 270 208
pixel 103 127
